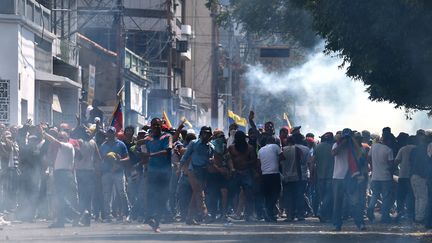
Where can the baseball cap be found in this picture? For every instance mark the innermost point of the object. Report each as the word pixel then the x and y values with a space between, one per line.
pixel 111 129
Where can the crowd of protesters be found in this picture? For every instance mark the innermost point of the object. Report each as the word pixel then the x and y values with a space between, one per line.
pixel 156 174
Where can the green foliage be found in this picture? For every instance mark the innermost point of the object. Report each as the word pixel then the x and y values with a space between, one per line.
pixel 386 44
pixel 268 17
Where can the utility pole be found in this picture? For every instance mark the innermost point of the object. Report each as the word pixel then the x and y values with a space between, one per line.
pixel 169 58
pixel 230 64
pixel 120 44
pixel 215 68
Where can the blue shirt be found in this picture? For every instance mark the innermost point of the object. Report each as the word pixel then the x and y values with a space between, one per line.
pixel 199 153
pixel 161 163
pixel 117 147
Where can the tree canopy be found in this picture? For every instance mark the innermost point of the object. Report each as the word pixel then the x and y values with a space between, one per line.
pixel 386 44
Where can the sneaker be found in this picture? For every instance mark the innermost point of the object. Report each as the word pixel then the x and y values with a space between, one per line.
pixel 236 217
pixel 154 225
pixel 85 218
pixel 192 222
pixel 362 227
pixel 56 225
pixel 107 220
pixel 209 219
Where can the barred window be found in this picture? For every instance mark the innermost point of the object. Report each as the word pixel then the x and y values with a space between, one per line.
pixel 4 100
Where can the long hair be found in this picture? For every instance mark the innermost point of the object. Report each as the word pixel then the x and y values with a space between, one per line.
pixel 240 142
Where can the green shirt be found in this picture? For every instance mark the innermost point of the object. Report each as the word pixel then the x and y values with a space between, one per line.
pixel 324 160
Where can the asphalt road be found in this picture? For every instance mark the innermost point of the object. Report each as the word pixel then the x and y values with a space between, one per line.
pixel 307 231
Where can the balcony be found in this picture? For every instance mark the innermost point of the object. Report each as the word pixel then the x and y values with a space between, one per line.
pixel 67 51
pixel 31 10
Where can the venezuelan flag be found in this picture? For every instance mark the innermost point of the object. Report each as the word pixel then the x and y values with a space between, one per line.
pixel 167 120
pixel 234 118
pixel 117 117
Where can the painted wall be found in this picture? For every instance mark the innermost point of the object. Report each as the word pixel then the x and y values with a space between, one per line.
pixel 9 65
pixel 26 71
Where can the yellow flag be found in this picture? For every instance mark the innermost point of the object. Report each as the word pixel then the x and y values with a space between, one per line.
pixel 186 122
pixel 234 118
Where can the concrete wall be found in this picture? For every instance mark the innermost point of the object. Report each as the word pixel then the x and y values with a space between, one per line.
pixel 17 64
pixel 26 70
pixel 198 71
pixel 9 65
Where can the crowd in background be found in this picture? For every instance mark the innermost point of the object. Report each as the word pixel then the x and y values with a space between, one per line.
pixel 156 174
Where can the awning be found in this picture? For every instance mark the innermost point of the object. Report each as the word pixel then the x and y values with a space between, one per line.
pixel 56 80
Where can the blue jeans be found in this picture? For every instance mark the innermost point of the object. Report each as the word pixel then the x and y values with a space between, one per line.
pixel 133 186
pixel 66 194
pixel 116 180
pixel 293 198
pixel 184 195
pixel 158 186
pixel 383 189
pixel 271 186
pixel 244 179
pixel 325 198
pixel 405 197
pixel 86 186
pixel 173 186
pixel 349 187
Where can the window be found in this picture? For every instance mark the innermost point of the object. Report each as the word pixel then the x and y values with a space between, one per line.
pixel 7 7
pixel 274 52
pixel 4 100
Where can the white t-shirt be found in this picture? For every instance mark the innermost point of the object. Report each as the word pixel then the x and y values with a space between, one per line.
pixel 403 158
pixel 269 157
pixel 340 168
pixel 65 157
pixel 381 155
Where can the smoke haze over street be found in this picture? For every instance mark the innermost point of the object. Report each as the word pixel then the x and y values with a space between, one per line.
pixel 327 100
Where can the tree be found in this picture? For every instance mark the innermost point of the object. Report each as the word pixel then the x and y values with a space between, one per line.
pixel 387 44
pixel 270 17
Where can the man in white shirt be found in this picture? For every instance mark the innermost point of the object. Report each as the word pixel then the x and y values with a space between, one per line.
pixel 345 182
pixel 381 157
pixel 405 197
pixel 64 180
pixel 268 157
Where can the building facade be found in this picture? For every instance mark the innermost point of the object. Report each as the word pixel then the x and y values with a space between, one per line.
pixel 36 82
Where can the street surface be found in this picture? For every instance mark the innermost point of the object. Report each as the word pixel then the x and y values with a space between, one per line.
pixel 308 231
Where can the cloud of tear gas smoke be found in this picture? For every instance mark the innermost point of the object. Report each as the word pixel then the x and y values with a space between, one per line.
pixel 327 100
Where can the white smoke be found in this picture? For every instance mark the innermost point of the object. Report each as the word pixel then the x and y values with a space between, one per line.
pixel 327 100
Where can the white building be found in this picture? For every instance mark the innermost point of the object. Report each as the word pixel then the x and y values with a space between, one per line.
pixel 29 89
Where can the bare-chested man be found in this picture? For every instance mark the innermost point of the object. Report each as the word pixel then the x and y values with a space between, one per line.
pixel 243 165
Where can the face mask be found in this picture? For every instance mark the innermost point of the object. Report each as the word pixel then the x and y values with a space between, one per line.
pixel 219 145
